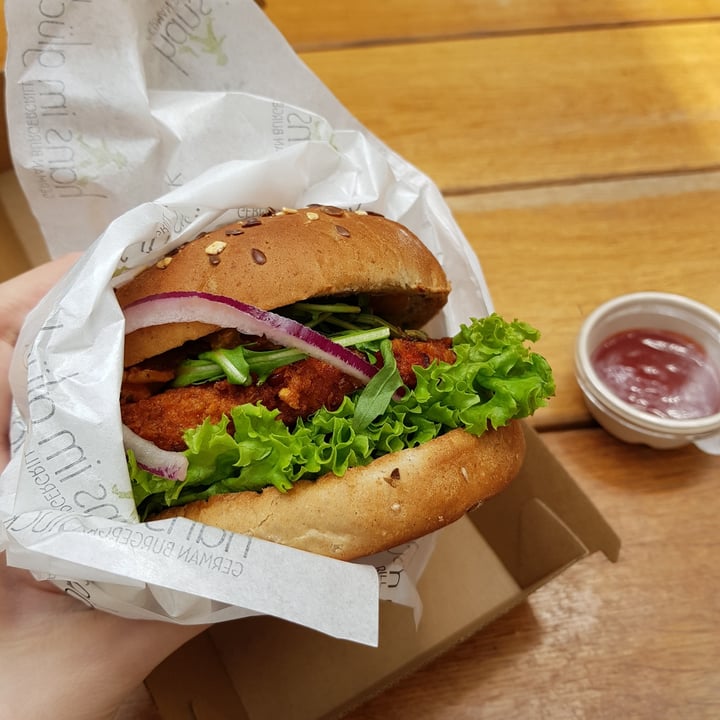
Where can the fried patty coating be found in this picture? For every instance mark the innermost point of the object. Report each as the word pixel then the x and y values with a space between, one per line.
pixel 295 390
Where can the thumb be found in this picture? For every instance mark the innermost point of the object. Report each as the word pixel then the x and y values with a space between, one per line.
pixel 18 296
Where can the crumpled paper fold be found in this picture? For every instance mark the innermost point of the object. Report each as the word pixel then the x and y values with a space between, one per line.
pixel 129 139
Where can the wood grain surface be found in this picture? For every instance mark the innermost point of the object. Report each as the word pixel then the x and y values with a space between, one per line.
pixel 550 257
pixel 501 112
pixel 637 639
pixel 341 24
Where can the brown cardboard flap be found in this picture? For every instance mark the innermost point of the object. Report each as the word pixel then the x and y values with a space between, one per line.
pixel 543 522
pixel 14 259
pixel 463 588
pixel 5 159
pixel 193 685
pixel 22 235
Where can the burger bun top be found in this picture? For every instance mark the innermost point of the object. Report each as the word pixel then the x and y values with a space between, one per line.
pixel 288 256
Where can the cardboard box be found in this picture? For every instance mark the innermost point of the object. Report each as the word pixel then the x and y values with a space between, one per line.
pixel 484 564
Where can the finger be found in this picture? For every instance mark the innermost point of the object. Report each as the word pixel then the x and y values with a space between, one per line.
pixel 17 297
pixel 20 294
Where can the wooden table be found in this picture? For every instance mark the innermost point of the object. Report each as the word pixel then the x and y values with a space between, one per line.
pixel 578 144
pixel 579 147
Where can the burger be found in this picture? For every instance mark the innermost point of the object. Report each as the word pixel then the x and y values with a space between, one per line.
pixel 278 383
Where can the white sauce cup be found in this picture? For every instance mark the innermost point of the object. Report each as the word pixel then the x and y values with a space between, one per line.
pixel 659 311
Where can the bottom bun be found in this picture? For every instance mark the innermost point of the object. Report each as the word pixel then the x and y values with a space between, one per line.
pixel 396 498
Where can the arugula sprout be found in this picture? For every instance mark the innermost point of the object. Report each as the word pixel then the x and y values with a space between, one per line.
pixel 242 365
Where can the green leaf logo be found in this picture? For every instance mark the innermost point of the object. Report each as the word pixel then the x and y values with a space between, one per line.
pixel 209 44
pixel 100 157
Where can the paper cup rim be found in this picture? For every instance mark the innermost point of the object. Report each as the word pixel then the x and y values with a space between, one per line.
pixel 591 383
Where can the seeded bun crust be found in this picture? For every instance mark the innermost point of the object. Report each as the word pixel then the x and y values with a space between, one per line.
pixel 394 499
pixel 279 259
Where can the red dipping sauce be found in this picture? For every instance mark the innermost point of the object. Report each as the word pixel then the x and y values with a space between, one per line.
pixel 660 372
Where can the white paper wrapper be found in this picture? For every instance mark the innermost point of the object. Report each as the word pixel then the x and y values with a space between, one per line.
pixel 141 124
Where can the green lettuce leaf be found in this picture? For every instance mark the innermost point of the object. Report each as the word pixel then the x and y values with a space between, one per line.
pixel 496 378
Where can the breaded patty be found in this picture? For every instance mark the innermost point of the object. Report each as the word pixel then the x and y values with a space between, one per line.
pixel 296 390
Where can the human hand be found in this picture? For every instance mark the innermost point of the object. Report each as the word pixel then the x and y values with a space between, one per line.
pixel 17 297
pixel 58 658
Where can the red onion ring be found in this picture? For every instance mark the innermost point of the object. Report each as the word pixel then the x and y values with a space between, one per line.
pixel 164 463
pixel 195 306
